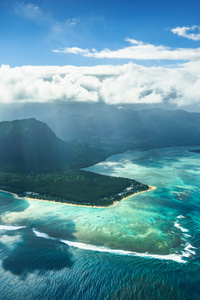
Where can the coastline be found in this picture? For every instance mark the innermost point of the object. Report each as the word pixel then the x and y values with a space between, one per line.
pixel 151 188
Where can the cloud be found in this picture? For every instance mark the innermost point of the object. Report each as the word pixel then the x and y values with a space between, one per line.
pixel 138 51
pixel 73 22
pixel 133 42
pixel 75 50
pixel 129 83
pixel 44 19
pixel 191 33
pixel 31 12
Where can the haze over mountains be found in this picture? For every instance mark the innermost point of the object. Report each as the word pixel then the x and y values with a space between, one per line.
pixel 111 128
pixel 31 146
pixel 125 129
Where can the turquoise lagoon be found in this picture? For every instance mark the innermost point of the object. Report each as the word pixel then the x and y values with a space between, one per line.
pixel 144 247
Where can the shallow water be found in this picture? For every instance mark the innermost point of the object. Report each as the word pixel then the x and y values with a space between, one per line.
pixel 145 247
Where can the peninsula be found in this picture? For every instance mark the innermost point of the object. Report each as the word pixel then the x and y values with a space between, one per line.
pixel 34 163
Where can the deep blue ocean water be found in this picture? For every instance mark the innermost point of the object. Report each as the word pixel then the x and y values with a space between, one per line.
pixel 145 247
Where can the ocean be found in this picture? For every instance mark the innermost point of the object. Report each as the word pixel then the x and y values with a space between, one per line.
pixel 144 247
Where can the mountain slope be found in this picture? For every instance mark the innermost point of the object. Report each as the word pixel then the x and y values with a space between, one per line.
pixel 31 146
pixel 32 158
pixel 111 128
pixel 122 129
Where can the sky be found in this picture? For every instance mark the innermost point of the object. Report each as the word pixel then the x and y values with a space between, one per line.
pixel 113 51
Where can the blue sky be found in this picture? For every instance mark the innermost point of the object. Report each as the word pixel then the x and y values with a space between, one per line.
pixel 49 32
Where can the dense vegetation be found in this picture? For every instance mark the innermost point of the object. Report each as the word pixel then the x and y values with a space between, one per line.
pixel 80 187
pixel 91 132
pixel 33 159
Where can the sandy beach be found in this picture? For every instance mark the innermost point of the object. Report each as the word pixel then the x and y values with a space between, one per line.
pixel 151 188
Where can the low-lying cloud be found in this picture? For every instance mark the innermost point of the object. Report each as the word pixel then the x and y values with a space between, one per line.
pixel 130 83
pixel 138 51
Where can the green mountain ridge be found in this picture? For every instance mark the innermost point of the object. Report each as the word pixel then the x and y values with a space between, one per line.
pixel 31 146
pixel 33 158
pixel 112 128
pixel 123 129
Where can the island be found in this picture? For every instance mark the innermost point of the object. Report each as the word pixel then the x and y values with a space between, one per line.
pixel 72 187
pixel 36 164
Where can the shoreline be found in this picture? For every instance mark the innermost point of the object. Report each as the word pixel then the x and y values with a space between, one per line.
pixel 151 188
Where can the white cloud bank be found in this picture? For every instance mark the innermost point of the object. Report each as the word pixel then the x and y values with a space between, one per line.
pixel 191 33
pixel 130 83
pixel 138 51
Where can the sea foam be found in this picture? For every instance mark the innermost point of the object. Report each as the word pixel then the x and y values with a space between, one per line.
pixel 174 257
pixel 43 235
pixel 181 217
pixel 177 225
pixel 10 227
pixel 88 247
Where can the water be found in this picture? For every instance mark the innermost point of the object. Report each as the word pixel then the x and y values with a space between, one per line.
pixel 145 247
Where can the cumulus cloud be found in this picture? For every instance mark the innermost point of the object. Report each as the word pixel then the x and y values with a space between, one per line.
pixel 138 51
pixel 191 33
pixel 130 83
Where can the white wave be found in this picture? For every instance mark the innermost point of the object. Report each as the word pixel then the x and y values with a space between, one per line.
pixel 187 235
pixel 177 225
pixel 189 247
pixel 181 217
pixel 174 257
pixel 43 235
pixel 10 227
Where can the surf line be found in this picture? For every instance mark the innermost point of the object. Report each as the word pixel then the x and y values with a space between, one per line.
pixel 175 257
pixel 11 227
